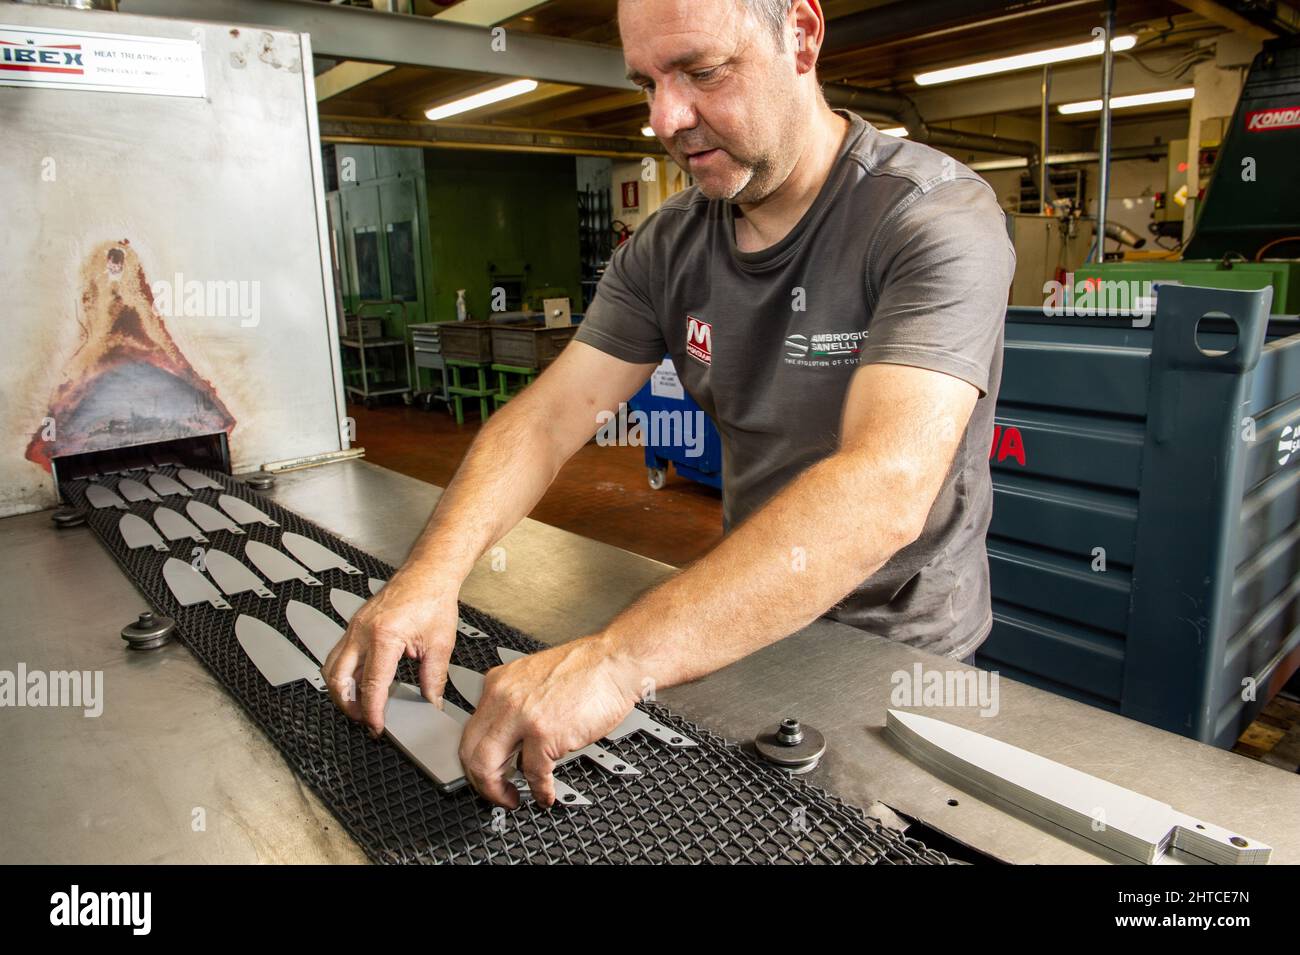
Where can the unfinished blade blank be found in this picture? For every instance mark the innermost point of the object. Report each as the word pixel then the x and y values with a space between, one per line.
pixel 189 586
pixel 274 656
pixel 135 492
pixel 136 532
pixel 345 603
pixel 196 481
pixel 1126 822
pixel 242 512
pixel 210 519
pixel 175 527
pixel 317 632
pixel 101 497
pixel 315 556
pixel 166 486
pixel 426 734
pixel 276 566
pixel 232 576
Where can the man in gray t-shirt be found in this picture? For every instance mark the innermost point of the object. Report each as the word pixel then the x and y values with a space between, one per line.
pixel 902 258
pixel 834 298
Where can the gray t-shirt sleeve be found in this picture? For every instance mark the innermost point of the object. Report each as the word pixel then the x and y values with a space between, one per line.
pixel 939 275
pixel 621 319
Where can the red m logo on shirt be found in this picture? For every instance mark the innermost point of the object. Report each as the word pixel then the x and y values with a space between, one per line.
pixel 699 340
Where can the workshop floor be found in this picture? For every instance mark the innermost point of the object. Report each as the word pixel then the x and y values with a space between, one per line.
pixel 602 493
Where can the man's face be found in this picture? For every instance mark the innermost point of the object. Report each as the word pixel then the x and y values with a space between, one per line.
pixel 723 95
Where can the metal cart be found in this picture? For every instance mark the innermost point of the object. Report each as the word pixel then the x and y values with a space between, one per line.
pixel 381 362
pixel 427 345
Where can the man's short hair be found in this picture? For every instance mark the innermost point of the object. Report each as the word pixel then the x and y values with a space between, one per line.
pixel 772 13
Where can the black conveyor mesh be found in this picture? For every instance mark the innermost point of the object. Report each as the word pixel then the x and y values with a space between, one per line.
pixel 712 803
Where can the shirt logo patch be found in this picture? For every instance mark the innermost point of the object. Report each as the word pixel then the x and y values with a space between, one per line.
pixel 825 348
pixel 699 340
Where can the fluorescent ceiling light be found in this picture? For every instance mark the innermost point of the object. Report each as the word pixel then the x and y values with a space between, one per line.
pixel 1025 61
pixel 647 131
pixel 486 97
pixel 899 131
pixel 1136 99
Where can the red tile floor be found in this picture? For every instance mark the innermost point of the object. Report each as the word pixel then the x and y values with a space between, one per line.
pixel 602 493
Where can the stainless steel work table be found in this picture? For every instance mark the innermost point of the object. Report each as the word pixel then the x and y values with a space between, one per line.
pixel 171 748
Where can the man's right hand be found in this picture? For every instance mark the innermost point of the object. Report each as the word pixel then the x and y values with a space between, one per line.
pixel 409 617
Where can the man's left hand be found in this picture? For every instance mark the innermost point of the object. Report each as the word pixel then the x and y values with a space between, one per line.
pixel 542 707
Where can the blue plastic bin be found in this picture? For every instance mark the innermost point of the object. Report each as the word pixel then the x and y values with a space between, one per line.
pixel 659 394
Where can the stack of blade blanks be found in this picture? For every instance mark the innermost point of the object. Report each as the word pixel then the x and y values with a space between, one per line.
pixel 708 803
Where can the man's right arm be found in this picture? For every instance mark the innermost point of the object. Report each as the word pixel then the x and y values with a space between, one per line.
pixel 508 468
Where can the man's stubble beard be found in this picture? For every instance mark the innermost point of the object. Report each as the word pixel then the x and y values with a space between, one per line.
pixel 767 173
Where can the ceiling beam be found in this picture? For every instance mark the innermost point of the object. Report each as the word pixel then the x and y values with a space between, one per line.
pixel 345 76
pixel 342 129
pixel 486 13
pixel 1218 13
pixel 354 33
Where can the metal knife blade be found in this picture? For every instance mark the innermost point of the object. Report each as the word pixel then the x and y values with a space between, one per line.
pixel 469 684
pixel 175 527
pixel 166 486
pixel 276 566
pixel 242 512
pixel 635 722
pixel 1133 825
pixel 196 481
pixel 426 734
pixel 100 497
pixel 465 630
pixel 134 491
pixel 317 632
pixel 274 656
pixel 376 585
pixel 232 576
pixel 190 587
pixel 345 603
pixel 210 519
pixel 565 795
pixel 316 557
pixel 136 532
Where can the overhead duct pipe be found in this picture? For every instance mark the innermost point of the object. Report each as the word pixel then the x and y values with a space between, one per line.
pixel 907 18
pixel 901 109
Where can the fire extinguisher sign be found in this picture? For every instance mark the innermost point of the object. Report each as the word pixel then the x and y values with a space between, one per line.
pixel 631 197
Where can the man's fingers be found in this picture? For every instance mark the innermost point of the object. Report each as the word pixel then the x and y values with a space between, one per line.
pixel 433 676
pixel 537 768
pixel 376 678
pixel 340 671
pixel 489 762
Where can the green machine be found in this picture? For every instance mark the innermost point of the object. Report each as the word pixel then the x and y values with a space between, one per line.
pixel 1247 233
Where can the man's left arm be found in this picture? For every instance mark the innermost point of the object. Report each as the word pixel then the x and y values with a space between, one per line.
pixel 794 559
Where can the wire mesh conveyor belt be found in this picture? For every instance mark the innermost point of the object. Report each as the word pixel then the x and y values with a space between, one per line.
pixel 711 803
